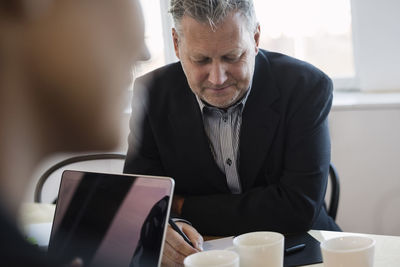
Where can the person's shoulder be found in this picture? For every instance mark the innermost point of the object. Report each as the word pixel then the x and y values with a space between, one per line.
pixel 285 67
pixel 165 74
pixel 160 83
pixel 295 77
pixel 159 90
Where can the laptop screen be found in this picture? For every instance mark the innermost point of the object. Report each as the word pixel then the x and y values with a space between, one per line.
pixel 110 220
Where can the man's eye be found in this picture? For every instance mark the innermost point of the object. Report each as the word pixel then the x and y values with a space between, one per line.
pixel 232 58
pixel 202 61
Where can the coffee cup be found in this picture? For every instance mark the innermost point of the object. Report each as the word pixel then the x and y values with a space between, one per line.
pixel 212 258
pixel 258 249
pixel 348 251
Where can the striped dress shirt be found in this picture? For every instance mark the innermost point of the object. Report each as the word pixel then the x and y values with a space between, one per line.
pixel 222 127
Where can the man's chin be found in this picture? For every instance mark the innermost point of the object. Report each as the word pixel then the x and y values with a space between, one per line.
pixel 222 99
pixel 220 104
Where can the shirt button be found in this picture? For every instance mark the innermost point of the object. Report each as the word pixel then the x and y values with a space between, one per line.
pixel 229 162
pixel 225 118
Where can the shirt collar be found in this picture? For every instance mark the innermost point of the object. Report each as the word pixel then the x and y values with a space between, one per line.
pixel 241 103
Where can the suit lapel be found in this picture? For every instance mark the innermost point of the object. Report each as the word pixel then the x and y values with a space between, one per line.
pixel 186 120
pixel 259 122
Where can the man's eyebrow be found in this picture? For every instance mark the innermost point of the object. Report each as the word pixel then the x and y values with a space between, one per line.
pixel 195 54
pixel 198 58
pixel 235 51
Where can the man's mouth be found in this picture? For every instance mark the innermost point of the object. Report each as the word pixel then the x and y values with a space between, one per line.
pixel 219 88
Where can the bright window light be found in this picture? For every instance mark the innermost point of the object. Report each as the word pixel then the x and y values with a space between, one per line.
pixel 317 31
pixel 153 37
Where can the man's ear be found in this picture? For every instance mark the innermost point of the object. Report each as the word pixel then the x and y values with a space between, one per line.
pixel 257 38
pixel 175 38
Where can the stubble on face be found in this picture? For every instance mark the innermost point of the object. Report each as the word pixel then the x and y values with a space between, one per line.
pixel 218 63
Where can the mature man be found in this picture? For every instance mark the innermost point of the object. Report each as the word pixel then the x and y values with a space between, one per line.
pixel 243 131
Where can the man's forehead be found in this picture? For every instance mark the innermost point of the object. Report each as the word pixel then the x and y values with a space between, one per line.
pixel 196 45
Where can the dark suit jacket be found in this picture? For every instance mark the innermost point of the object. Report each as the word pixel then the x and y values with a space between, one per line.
pixel 284 148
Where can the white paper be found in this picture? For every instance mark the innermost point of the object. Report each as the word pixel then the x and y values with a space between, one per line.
pixel 221 243
pixel 39 232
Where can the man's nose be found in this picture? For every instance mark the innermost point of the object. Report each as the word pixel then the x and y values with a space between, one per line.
pixel 217 75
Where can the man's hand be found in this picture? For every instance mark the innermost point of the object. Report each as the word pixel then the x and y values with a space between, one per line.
pixel 175 247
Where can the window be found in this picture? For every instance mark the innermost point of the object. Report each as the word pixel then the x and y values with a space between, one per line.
pixel 154 38
pixel 317 31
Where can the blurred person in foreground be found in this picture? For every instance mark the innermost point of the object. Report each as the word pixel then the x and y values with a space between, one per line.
pixel 64 68
pixel 243 131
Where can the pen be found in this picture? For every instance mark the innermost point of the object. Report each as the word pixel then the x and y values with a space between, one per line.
pixel 294 249
pixel 179 231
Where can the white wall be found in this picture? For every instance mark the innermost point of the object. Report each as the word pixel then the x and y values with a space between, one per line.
pixel 365 129
pixel 366 152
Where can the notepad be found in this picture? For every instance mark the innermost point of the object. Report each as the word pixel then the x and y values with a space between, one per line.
pixel 311 254
pixel 220 243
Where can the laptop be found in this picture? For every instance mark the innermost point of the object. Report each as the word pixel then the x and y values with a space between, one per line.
pixel 111 219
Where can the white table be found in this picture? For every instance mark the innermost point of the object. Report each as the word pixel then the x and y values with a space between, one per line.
pixel 387 251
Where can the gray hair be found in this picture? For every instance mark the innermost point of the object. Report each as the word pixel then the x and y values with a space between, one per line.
pixel 212 11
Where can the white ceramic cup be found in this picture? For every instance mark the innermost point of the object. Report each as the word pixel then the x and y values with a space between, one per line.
pixel 348 251
pixel 212 258
pixel 258 249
